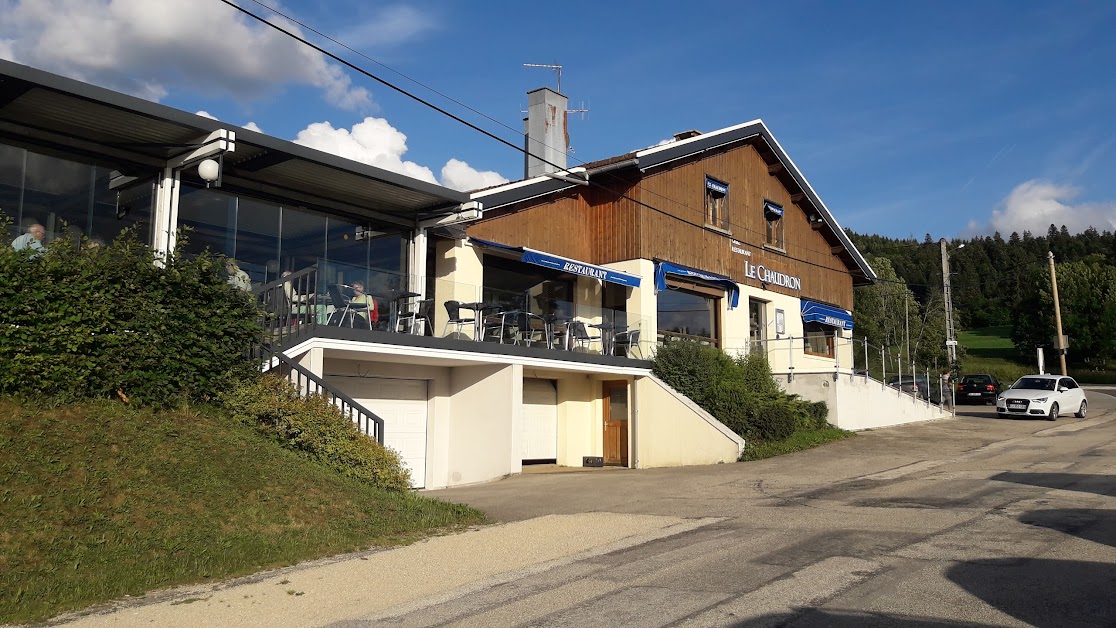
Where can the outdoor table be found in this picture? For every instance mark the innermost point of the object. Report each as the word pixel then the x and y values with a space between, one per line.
pixel 478 308
pixel 394 297
pixel 608 335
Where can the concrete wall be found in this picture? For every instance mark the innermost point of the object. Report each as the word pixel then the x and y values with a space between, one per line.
pixel 458 276
pixel 580 419
pixel 484 440
pixel 856 404
pixel 670 430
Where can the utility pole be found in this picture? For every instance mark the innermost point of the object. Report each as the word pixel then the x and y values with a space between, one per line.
pixel 1057 315
pixel 951 338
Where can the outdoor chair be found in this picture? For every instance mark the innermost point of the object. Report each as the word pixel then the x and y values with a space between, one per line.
pixel 629 341
pixel 419 317
pixel 579 336
pixel 453 310
pixel 344 309
pixel 529 328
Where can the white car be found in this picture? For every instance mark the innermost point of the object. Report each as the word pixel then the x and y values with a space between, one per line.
pixel 1042 395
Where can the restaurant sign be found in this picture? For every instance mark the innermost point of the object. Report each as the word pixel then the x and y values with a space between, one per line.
pixel 766 275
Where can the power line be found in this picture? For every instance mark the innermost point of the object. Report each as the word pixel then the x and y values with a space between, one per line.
pixel 484 132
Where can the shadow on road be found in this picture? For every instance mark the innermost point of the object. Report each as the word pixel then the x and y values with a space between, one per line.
pixel 852 619
pixel 1098 526
pixel 1043 592
pixel 1083 482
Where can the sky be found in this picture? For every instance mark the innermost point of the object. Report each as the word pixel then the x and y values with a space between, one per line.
pixel 953 119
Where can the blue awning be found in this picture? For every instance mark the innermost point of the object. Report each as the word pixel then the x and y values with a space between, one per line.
pixel 662 269
pixel 563 264
pixel 826 315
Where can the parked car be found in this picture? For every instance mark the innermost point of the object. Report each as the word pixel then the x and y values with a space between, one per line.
pixel 918 386
pixel 981 388
pixel 1042 395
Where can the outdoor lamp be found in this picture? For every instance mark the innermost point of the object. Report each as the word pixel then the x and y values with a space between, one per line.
pixel 209 170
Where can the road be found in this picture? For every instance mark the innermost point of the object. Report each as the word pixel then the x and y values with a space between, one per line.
pixel 975 521
pixel 972 521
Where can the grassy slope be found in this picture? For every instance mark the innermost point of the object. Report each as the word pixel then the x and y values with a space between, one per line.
pixel 990 350
pixel 104 500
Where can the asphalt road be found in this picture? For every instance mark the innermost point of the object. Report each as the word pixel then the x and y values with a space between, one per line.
pixel 973 521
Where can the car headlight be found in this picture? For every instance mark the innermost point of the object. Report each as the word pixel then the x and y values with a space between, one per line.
pixel 1041 400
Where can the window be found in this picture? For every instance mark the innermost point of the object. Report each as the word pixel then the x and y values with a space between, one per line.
pixel 716 203
pixel 689 313
pixel 516 285
pixel 757 324
pixel 773 217
pixel 819 339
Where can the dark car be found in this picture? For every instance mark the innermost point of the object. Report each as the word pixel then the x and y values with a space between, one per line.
pixel 981 388
pixel 918 386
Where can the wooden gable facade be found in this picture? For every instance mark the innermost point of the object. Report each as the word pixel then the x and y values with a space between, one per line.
pixel 660 214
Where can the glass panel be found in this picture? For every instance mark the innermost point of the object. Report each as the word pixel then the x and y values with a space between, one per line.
pixel 257 239
pixel 618 403
pixel 57 194
pixel 211 215
pixel 303 239
pixel 687 313
pixel 116 210
pixel 11 186
pixel 818 339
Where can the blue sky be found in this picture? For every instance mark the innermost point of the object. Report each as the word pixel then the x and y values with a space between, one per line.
pixel 948 118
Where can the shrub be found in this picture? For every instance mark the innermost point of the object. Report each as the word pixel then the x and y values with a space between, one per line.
pixel 740 392
pixel 86 323
pixel 693 369
pixel 315 428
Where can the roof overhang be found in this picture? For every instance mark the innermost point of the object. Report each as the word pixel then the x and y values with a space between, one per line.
pixel 58 115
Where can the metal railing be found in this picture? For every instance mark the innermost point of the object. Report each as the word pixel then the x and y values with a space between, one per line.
pixel 307 384
pixel 290 306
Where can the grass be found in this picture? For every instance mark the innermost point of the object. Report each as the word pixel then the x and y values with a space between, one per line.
pixel 990 350
pixel 105 500
pixel 799 441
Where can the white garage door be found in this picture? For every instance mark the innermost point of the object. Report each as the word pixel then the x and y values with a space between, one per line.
pixel 401 403
pixel 540 419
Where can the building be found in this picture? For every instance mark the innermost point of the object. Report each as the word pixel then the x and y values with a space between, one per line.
pixel 367 276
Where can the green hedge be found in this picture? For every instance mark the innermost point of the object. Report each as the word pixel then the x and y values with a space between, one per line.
pixel 315 428
pixel 79 322
pixel 740 392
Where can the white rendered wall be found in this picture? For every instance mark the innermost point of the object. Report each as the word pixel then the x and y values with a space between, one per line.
pixel 486 407
pixel 458 276
pixel 672 431
pixel 580 419
pixel 856 404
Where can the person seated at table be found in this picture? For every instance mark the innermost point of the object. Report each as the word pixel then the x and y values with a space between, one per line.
pixel 359 297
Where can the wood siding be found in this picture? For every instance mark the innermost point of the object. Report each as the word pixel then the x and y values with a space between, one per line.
pixel 677 232
pixel 599 226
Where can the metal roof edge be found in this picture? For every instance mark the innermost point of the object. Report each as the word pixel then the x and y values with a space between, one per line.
pixel 204 125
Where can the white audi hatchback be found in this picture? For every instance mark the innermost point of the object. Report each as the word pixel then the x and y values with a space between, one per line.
pixel 1042 395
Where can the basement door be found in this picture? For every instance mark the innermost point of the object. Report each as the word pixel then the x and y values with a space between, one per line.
pixel 402 404
pixel 615 447
pixel 540 420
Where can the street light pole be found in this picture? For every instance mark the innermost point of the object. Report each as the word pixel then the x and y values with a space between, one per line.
pixel 947 293
pixel 1057 315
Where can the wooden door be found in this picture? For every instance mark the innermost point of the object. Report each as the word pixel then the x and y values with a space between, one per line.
pixel 616 423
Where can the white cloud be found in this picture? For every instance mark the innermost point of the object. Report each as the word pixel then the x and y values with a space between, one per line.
pixel 1035 205
pixel 376 142
pixel 458 175
pixel 389 26
pixel 143 47
pixel 205 114
pixel 252 126
pixel 373 141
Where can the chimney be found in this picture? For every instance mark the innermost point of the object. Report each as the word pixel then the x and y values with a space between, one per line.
pixel 547 136
pixel 685 135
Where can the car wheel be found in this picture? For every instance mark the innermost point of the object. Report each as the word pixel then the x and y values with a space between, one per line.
pixel 1081 411
pixel 1053 416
